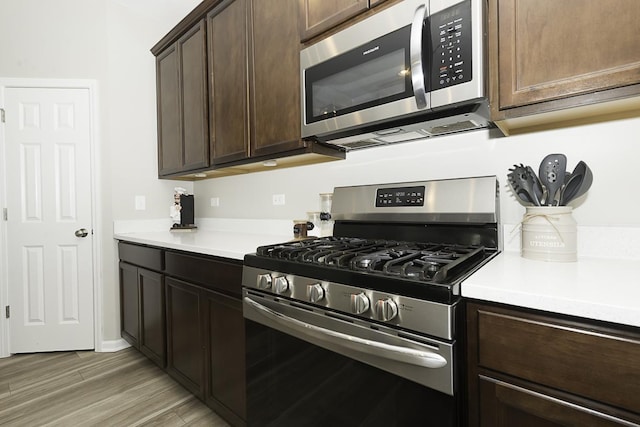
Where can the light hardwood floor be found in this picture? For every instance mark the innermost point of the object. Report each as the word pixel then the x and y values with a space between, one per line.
pixel 95 389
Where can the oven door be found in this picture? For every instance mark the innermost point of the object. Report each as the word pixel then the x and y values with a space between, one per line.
pixel 306 366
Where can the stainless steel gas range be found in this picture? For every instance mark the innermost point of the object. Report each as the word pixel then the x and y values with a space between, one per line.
pixel 364 327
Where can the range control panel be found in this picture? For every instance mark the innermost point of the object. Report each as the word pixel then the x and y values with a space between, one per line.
pixel 451 46
pixel 400 196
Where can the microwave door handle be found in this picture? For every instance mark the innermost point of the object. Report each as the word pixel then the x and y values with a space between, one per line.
pixel 415 48
pixel 423 358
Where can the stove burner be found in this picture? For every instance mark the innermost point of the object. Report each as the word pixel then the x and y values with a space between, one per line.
pixel 424 262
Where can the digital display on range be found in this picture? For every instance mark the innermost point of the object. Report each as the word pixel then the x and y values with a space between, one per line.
pixel 401 196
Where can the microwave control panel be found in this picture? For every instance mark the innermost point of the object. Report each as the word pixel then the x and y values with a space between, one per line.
pixel 451 46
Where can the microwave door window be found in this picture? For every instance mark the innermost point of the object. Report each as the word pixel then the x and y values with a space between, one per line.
pixel 377 81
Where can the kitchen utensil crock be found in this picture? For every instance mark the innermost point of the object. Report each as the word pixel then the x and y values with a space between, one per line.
pixel 549 233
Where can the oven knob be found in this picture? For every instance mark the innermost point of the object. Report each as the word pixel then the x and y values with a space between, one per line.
pixel 264 281
pixel 386 309
pixel 280 285
pixel 315 292
pixel 359 303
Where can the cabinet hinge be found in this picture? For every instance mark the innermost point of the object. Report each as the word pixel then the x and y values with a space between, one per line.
pixel 7 310
pixel 2 115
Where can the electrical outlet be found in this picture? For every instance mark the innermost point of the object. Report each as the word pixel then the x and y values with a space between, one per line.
pixel 278 199
pixel 141 203
pixel 215 201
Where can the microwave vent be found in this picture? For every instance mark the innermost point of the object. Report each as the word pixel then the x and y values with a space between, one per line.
pixel 454 127
pixel 360 144
pixel 400 137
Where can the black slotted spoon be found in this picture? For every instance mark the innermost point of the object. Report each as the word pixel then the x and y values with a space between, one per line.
pixel 552 176
pixel 524 184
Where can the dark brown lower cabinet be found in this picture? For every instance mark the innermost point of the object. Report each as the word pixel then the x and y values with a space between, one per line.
pixel 205 346
pixel 185 339
pixel 142 313
pixel 506 404
pixel 187 317
pixel 225 362
pixel 129 304
pixel 152 320
pixel 530 368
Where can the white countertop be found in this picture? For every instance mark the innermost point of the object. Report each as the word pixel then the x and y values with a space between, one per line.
pixel 606 289
pixel 224 238
pixel 218 243
pixel 593 288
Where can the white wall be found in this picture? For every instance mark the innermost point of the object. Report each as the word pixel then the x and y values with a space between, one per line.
pixel 610 149
pixel 108 41
pixel 134 27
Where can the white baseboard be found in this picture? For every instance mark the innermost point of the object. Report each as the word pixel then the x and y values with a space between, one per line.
pixel 112 346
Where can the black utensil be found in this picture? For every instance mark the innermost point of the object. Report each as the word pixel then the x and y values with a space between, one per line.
pixel 579 183
pixel 523 184
pixel 552 175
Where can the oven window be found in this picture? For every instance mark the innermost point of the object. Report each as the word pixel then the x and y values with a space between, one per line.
pixel 293 383
pixel 373 74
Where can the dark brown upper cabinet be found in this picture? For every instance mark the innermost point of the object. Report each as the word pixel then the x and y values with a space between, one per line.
pixel 228 79
pixel 181 76
pixel 274 79
pixel 254 62
pixel 317 16
pixel 557 62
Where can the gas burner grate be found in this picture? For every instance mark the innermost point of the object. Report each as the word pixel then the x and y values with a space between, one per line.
pixel 424 262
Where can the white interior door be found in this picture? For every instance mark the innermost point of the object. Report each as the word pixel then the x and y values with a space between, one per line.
pixel 48 178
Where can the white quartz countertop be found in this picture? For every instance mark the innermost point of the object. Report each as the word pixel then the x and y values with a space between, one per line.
pixel 593 288
pixel 606 289
pixel 225 244
pixel 228 239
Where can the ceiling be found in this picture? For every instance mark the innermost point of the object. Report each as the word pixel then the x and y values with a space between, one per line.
pixel 161 10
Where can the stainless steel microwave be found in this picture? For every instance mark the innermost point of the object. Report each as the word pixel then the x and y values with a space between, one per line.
pixel 411 71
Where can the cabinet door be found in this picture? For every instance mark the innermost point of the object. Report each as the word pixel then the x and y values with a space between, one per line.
pixel 506 405
pixel 317 16
pixel 552 49
pixel 170 157
pixel 228 65
pixel 275 86
pixel 195 112
pixel 152 320
pixel 185 339
pixel 225 389
pixel 129 304
pixel 579 359
pixel 530 368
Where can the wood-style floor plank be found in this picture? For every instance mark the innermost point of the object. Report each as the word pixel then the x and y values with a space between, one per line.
pixel 95 389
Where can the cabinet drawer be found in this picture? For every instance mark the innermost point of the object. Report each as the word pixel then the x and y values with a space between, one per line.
pixel 582 359
pixel 143 256
pixel 505 405
pixel 208 272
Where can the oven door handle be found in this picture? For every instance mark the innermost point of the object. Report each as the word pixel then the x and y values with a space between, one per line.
pixel 407 355
pixel 415 49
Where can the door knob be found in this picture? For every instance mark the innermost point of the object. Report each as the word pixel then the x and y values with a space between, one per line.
pixel 82 232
